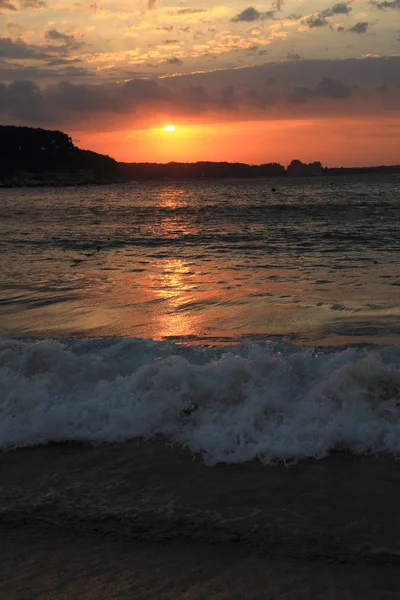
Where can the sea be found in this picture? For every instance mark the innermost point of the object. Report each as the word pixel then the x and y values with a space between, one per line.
pixel 205 358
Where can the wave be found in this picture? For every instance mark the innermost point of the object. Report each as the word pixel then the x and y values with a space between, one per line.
pixel 273 401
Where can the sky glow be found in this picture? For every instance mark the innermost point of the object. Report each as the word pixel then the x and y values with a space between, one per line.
pixel 113 73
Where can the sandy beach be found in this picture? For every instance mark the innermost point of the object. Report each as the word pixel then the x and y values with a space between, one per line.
pixel 41 564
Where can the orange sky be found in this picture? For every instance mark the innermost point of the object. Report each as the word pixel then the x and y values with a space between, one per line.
pixel 259 82
pixel 334 142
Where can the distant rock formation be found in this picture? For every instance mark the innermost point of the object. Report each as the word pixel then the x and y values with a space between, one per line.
pixel 35 157
pixel 300 169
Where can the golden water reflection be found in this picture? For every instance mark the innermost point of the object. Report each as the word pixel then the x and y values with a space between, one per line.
pixel 177 288
pixel 172 197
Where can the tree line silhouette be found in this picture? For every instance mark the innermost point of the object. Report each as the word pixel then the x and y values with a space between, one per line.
pixel 31 156
pixel 37 151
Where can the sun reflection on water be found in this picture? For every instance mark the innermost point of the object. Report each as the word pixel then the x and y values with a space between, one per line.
pixel 177 289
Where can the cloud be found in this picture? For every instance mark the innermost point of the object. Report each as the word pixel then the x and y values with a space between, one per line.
pixel 251 14
pixel 325 88
pixel 293 56
pixel 35 4
pixel 318 20
pixel 14 72
pixel 387 5
pixel 228 97
pixel 247 15
pixel 22 5
pixel 173 61
pixel 5 5
pixel 342 8
pixel 186 11
pixel 316 88
pixel 18 49
pixel 57 36
pixel 63 41
pixel 360 27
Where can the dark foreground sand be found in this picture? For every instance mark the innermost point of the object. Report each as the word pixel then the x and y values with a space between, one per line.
pixel 42 564
pixel 146 520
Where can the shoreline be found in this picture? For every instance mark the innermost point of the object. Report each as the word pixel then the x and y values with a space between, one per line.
pixel 38 563
pixel 342 508
pixel 336 173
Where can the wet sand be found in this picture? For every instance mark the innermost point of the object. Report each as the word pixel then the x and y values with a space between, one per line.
pixel 43 564
pixel 342 508
pixel 147 520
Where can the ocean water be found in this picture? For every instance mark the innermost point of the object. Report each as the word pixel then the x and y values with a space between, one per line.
pixel 317 261
pixel 168 349
pixel 239 322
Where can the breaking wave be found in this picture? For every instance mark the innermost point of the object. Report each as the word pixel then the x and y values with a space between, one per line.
pixel 272 401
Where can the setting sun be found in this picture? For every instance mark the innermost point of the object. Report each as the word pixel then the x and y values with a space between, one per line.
pixel 169 128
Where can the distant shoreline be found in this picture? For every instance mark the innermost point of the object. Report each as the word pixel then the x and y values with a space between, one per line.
pixel 225 170
pixel 328 172
pixel 69 180
pixel 42 158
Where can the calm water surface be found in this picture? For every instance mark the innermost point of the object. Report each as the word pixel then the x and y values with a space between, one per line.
pixel 319 260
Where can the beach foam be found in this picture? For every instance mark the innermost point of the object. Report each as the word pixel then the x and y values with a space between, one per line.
pixel 273 401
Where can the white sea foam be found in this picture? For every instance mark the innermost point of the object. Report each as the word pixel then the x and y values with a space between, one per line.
pixel 269 401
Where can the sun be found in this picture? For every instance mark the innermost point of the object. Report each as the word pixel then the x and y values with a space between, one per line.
pixel 169 128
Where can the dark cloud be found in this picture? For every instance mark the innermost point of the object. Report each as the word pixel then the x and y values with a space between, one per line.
pixel 15 72
pixel 316 88
pixel 316 21
pixel 5 5
pixel 228 97
pixel 325 88
pixel 18 49
pixel 320 19
pixel 196 96
pixel 293 56
pixel 173 61
pixel 253 49
pixel 63 41
pixel 24 100
pixel 331 88
pixel 251 14
pixel 55 35
pixel 168 42
pixel 247 15
pixel 387 5
pixel 66 39
pixel 22 5
pixel 262 99
pixel 360 27
pixel 256 50
pixel 35 4
pixel 342 8
pixel 186 11
pixel 56 62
